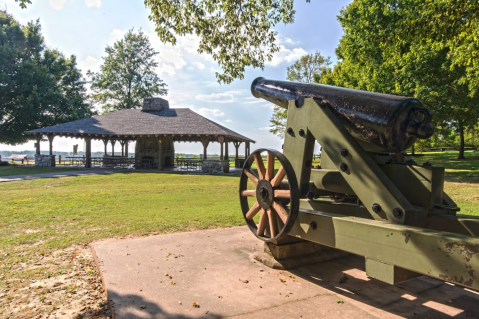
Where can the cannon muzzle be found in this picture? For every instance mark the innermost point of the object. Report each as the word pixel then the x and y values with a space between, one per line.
pixel 389 121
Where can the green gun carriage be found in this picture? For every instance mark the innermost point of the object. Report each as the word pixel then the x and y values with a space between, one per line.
pixel 368 197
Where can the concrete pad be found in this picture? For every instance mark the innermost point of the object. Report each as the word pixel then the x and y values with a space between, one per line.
pixel 215 270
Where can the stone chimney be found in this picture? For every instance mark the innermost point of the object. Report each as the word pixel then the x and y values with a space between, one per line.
pixel 155 104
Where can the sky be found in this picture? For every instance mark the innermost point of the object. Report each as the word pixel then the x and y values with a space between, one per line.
pixel 85 27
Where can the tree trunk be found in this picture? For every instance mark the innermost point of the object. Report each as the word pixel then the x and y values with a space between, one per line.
pixel 461 141
pixel 412 150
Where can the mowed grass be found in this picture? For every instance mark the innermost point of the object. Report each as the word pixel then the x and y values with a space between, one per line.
pixel 63 211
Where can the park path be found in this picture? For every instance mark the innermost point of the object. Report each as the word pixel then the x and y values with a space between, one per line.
pixel 14 178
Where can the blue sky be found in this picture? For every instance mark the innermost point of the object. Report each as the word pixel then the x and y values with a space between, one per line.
pixel 85 27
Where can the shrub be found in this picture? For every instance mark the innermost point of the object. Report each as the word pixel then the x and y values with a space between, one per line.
pixel 4 163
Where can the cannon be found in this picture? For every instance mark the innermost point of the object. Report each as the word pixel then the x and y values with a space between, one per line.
pixel 367 197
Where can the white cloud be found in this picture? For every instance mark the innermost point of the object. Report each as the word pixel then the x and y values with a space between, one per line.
pixel 199 65
pixel 229 121
pixel 286 55
pixel 116 35
pixel 93 3
pixel 89 63
pixel 264 128
pixel 216 97
pixel 57 4
pixel 212 112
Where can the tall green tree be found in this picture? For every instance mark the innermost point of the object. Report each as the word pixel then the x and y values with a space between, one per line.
pixel 415 48
pixel 127 74
pixel 38 86
pixel 308 69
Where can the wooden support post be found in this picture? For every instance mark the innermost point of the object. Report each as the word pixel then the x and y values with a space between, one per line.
pixel 122 143
pixel 39 138
pixel 106 144
pixel 50 143
pixel 112 147
pixel 227 141
pixel 88 152
pixel 237 145
pixel 160 155
pixel 221 152
pixel 126 148
pixel 205 141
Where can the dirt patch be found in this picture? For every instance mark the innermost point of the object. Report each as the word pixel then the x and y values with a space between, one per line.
pixel 70 288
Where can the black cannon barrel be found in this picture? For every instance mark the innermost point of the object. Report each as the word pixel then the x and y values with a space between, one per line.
pixel 389 121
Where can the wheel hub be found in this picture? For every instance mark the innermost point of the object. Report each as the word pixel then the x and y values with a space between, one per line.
pixel 264 194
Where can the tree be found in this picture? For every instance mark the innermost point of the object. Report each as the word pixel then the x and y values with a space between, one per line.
pixel 127 74
pixel 308 69
pixel 409 47
pixel 39 87
pixel 236 33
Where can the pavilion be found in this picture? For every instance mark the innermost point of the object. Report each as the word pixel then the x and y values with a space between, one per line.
pixel 155 128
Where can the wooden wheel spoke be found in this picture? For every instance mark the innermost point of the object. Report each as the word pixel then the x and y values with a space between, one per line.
pixel 281 211
pixel 279 177
pixel 273 224
pixel 269 166
pixel 262 222
pixel 253 211
pixel 251 176
pixel 282 193
pixel 248 193
pixel 259 165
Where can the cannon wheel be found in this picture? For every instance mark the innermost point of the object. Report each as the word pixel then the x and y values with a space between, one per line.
pixel 276 217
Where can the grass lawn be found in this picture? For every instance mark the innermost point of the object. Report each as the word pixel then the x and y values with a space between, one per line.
pixel 40 217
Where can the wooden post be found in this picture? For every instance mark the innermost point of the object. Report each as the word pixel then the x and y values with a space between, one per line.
pixel 122 143
pixel 221 152
pixel 88 152
pixel 227 141
pixel 249 149
pixel 106 144
pixel 205 141
pixel 39 138
pixel 160 155
pixel 236 144
pixel 112 147
pixel 50 143
pixel 246 150
pixel 126 148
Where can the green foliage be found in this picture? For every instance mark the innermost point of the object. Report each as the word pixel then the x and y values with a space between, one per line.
pixel 236 33
pixel 308 69
pixel 412 47
pixel 39 86
pixel 4 163
pixel 23 3
pixel 127 74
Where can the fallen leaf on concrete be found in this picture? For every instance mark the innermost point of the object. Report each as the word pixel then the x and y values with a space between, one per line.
pixel 142 306
pixel 282 280
pixel 195 305
pixel 342 278
pixel 339 301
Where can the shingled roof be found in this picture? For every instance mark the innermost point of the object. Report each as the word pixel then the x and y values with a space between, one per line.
pixel 183 124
